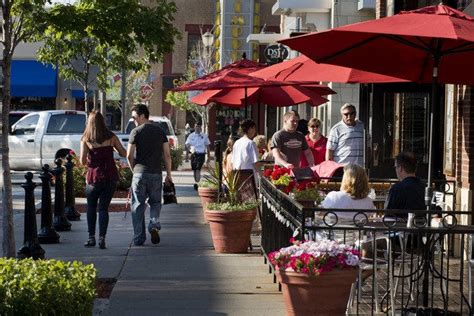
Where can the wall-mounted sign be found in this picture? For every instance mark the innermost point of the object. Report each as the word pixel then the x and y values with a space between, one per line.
pixel 276 53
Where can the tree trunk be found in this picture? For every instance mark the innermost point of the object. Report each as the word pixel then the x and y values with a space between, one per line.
pixel 7 200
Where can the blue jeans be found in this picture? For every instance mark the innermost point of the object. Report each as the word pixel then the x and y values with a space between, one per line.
pixel 99 193
pixel 145 186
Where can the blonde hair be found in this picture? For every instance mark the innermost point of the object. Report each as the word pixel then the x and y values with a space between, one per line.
pixel 290 114
pixel 314 121
pixel 260 141
pixel 355 182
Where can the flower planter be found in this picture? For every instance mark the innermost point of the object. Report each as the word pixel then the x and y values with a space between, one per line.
pixel 323 295
pixel 306 203
pixel 207 195
pixel 230 230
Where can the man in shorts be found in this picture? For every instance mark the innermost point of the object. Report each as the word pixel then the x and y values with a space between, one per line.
pixel 198 143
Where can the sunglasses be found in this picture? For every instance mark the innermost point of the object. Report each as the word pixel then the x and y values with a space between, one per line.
pixel 349 113
pixel 134 118
pixel 314 126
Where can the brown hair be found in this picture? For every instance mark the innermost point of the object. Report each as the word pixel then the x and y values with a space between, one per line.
pixel 355 182
pixel 289 114
pixel 96 131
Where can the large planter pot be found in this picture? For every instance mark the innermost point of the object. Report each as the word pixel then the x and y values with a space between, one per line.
pixel 306 203
pixel 230 230
pixel 323 295
pixel 207 195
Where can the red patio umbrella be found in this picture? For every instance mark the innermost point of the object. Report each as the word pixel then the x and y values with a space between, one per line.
pixel 431 44
pixel 303 68
pixel 274 96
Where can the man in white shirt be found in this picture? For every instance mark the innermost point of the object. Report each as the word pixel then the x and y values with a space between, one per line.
pixel 244 157
pixel 198 143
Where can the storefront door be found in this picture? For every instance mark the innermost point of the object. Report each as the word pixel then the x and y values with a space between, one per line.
pixel 398 117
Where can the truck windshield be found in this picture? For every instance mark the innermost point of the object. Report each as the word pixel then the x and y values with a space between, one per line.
pixel 66 124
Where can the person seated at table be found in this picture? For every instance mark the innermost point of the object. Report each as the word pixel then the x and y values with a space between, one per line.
pixel 353 193
pixel 409 193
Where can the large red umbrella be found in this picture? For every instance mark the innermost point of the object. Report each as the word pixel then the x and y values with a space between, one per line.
pixel 273 96
pixel 431 44
pixel 303 68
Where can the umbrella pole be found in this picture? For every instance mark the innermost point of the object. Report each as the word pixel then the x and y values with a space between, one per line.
pixel 245 98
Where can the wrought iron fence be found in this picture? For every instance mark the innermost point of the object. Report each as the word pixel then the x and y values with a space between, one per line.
pixel 411 261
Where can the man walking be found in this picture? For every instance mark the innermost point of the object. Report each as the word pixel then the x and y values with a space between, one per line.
pixel 198 143
pixel 147 147
pixel 288 144
pixel 346 139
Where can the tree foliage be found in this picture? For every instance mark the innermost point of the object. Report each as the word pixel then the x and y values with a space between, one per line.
pixel 199 64
pixel 112 35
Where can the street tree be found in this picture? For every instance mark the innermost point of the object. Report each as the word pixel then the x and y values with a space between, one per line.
pixel 111 35
pixel 21 19
pixel 199 64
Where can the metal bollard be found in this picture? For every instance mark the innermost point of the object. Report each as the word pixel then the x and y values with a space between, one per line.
pixel 47 233
pixel 60 221
pixel 31 246
pixel 69 208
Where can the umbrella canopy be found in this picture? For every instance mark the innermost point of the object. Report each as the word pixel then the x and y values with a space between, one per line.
pixel 271 95
pixel 407 45
pixel 303 68
pixel 431 44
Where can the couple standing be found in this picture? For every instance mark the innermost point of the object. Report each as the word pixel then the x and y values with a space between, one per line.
pixel 147 147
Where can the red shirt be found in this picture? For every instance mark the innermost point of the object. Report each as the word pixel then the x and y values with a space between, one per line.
pixel 318 149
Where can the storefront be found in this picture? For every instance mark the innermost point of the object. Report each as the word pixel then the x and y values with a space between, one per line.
pixel 33 85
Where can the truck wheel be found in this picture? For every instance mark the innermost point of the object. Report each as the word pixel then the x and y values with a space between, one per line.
pixel 62 153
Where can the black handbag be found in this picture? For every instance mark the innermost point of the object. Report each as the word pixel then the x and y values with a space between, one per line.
pixel 169 193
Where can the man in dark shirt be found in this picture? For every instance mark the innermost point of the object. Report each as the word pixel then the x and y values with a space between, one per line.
pixel 409 193
pixel 150 144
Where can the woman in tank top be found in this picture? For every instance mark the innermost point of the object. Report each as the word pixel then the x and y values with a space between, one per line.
pixel 97 153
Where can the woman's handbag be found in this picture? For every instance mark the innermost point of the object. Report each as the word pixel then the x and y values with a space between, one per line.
pixel 169 193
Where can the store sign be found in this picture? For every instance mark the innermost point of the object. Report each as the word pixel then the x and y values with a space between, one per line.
pixel 145 92
pixel 276 53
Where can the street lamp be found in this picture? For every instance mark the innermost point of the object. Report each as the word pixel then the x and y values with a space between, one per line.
pixel 207 39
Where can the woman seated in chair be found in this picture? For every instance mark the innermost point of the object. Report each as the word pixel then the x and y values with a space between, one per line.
pixel 352 195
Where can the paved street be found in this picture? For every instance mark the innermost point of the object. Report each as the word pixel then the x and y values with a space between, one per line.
pixel 180 276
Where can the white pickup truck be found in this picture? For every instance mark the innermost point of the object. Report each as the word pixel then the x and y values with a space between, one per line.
pixel 41 137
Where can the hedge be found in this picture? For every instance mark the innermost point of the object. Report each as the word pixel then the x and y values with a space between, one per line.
pixel 46 287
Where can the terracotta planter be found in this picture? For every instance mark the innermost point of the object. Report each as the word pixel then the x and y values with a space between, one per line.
pixel 306 203
pixel 207 195
pixel 231 230
pixel 323 295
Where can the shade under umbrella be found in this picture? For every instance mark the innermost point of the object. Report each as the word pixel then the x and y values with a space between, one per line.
pixel 303 68
pixel 271 95
pixel 431 44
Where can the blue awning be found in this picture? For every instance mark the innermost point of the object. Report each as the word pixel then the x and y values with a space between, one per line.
pixel 31 78
pixel 80 94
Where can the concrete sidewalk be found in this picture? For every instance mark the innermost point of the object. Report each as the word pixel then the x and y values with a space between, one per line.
pixel 180 276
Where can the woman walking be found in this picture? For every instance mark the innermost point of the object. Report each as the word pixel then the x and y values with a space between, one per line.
pixel 97 153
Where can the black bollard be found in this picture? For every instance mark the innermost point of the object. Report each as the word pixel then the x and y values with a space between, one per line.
pixel 47 233
pixel 60 221
pixel 69 208
pixel 31 246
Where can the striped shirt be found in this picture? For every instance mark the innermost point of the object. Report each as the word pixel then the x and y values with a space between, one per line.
pixel 347 142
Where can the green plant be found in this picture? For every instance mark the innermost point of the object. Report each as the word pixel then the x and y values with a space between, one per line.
pixel 210 180
pixel 176 153
pixel 125 176
pixel 46 287
pixel 231 200
pixel 307 192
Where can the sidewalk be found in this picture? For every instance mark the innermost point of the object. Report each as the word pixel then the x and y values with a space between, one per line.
pixel 180 276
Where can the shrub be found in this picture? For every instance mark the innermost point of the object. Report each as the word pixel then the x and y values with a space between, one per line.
pixel 176 157
pixel 46 287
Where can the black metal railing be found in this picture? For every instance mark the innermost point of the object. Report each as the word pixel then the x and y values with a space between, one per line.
pixel 410 260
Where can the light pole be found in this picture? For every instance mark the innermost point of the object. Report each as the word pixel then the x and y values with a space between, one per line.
pixel 207 42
